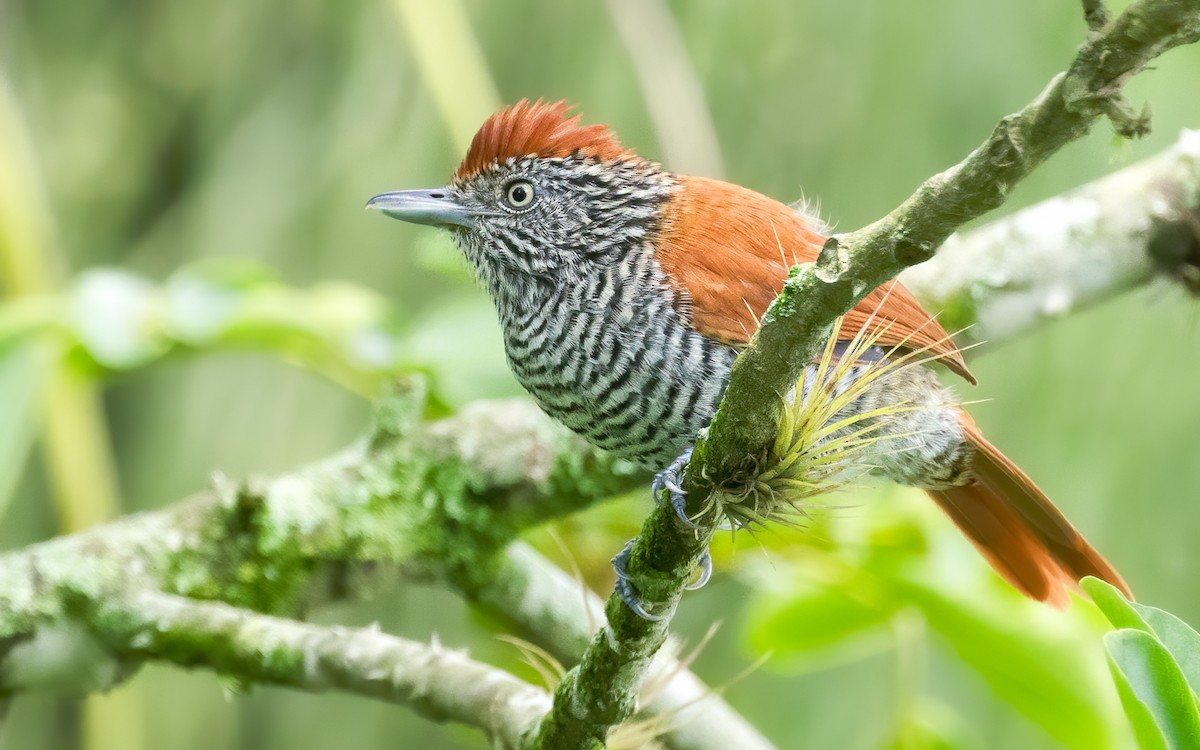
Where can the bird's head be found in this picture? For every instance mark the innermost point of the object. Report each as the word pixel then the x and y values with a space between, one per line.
pixel 539 195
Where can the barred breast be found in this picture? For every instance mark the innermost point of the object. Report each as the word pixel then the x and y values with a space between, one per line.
pixel 611 358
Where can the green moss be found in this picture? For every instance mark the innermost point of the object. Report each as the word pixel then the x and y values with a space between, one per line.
pixel 398 409
pixel 248 563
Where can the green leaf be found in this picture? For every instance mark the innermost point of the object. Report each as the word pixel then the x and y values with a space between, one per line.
pixel 1145 730
pixel 1153 680
pixel 1030 659
pixel 1180 639
pixel 813 620
pixel 1113 604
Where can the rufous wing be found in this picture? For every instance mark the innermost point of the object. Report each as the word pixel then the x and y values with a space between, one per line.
pixel 728 249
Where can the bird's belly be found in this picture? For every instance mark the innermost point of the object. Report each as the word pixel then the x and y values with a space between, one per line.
pixel 914 424
pixel 645 395
pixel 640 393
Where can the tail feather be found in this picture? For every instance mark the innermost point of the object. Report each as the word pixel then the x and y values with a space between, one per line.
pixel 1020 532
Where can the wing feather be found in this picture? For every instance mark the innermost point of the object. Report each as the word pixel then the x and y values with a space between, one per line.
pixel 728 249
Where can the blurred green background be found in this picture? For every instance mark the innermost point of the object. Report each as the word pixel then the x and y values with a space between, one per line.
pixel 215 158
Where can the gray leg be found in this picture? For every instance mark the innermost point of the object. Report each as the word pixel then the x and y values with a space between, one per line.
pixel 669 480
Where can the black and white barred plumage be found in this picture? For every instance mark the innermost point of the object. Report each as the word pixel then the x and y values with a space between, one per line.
pixel 596 333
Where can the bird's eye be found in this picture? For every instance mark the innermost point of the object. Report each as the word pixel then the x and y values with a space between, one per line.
pixel 519 194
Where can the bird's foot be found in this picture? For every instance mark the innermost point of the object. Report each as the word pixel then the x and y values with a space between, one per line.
pixel 625 588
pixel 670 481
pixel 629 594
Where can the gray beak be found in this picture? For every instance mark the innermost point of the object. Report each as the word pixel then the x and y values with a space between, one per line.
pixel 436 207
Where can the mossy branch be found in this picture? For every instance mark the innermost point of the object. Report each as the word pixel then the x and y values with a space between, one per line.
pixel 1070 251
pixel 562 616
pixel 601 692
pixel 417 496
pixel 427 500
pixel 454 490
pixel 438 683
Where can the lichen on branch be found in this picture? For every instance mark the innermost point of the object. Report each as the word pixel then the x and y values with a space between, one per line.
pixel 421 500
pixel 1070 251
pixel 416 496
pixel 439 683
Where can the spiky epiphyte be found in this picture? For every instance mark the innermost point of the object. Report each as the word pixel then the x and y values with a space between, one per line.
pixel 847 412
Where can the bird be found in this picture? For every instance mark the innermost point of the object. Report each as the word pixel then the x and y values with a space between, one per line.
pixel 625 291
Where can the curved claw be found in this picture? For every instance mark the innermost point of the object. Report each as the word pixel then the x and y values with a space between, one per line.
pixel 624 587
pixel 679 504
pixel 630 596
pixel 668 480
pixel 706 569
pixel 620 560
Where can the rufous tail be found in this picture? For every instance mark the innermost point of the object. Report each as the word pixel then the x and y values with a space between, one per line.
pixel 1020 532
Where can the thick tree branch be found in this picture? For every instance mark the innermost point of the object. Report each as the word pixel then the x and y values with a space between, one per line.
pixel 409 493
pixel 601 692
pixel 438 683
pixel 1070 251
pixel 277 545
pixel 440 500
